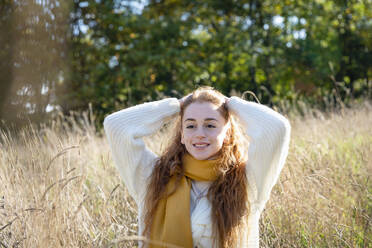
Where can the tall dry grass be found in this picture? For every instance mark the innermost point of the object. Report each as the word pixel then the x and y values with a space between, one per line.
pixel 59 188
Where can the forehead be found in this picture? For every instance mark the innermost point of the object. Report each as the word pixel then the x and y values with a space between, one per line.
pixel 201 111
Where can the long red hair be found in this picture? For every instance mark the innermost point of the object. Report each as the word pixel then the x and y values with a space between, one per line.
pixel 227 194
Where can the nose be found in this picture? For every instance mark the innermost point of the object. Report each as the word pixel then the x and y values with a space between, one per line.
pixel 200 133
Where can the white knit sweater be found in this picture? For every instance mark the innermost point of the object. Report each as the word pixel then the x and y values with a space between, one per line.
pixel 269 134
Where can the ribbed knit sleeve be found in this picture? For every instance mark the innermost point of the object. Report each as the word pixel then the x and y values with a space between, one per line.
pixel 269 134
pixel 125 130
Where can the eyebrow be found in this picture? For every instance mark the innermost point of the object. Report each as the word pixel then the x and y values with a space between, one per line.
pixel 206 119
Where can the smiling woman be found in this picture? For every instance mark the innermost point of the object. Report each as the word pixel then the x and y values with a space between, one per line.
pixel 207 189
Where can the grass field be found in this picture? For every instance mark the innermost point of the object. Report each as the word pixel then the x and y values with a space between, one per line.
pixel 59 188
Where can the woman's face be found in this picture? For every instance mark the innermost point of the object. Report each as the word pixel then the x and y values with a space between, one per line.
pixel 203 130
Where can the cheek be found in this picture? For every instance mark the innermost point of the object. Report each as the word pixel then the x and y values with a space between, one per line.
pixel 182 137
pixel 185 136
pixel 220 138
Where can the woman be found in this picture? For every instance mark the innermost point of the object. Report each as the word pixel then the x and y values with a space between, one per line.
pixel 207 189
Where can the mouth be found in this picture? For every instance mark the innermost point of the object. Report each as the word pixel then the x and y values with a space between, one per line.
pixel 200 145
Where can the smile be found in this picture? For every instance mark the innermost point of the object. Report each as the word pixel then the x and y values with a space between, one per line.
pixel 200 145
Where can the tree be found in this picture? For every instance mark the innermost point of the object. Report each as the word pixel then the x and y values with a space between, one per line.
pixel 33 34
pixel 119 56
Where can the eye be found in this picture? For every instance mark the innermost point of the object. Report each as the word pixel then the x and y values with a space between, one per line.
pixel 190 126
pixel 211 126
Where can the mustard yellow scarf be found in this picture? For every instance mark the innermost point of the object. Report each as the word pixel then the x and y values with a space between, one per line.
pixel 171 224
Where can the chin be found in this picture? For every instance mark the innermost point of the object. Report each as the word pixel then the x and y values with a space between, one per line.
pixel 205 156
pixel 200 156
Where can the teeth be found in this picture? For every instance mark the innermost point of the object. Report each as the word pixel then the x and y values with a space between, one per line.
pixel 199 146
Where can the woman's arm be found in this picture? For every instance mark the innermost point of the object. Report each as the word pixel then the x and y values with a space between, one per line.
pixel 125 130
pixel 269 134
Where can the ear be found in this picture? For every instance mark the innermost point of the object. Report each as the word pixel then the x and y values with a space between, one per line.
pixel 227 138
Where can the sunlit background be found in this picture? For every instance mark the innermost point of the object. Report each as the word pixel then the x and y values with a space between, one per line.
pixel 311 60
pixel 65 55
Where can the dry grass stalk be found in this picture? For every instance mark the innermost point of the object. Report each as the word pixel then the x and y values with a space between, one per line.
pixel 59 187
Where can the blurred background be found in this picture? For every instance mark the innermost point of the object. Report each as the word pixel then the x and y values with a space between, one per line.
pixel 65 55
pixel 65 65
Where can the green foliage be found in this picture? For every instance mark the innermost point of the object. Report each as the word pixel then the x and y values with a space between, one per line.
pixel 276 49
pixel 115 54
